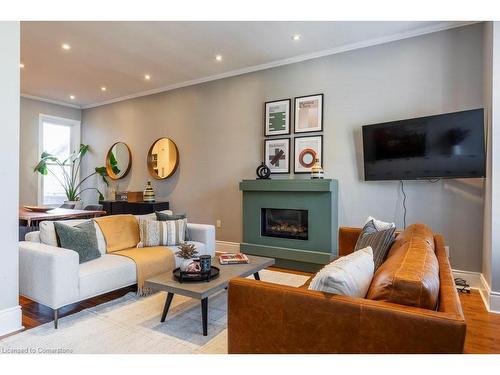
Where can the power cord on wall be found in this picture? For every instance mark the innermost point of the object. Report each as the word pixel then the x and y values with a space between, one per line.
pixel 402 184
pixel 404 203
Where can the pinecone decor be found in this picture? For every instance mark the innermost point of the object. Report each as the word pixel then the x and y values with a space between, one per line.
pixel 186 251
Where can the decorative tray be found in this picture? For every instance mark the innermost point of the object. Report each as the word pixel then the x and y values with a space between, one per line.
pixel 38 208
pixel 196 276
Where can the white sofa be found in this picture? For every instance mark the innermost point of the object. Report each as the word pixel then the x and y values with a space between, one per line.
pixel 52 276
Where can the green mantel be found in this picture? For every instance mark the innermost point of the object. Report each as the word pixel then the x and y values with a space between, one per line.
pixel 288 185
pixel 318 197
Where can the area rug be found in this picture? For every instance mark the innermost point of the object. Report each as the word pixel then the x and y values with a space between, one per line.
pixel 132 324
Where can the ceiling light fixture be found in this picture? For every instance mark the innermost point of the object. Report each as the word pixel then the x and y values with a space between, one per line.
pixel 296 37
pixel 103 88
pixel 147 77
pixel 21 66
pixel 218 57
pixel 65 46
pixel 72 97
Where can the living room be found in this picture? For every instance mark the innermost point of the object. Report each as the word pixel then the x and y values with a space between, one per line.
pixel 149 152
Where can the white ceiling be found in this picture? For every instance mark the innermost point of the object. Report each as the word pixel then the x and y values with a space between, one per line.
pixel 117 55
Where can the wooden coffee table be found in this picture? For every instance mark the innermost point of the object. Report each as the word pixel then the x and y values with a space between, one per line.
pixel 202 290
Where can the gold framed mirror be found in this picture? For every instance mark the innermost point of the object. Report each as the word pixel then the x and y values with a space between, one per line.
pixel 163 158
pixel 118 161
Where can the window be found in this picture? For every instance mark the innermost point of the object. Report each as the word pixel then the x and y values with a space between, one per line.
pixel 60 137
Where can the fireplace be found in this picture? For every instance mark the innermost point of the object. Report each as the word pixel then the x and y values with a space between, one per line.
pixel 284 223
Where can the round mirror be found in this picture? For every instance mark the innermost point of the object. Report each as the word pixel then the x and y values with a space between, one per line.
pixel 163 158
pixel 118 161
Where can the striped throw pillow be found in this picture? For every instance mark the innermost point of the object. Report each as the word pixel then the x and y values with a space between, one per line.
pixel 379 241
pixel 161 233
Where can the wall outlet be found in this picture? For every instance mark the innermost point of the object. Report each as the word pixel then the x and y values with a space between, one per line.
pixel 219 223
pixel 447 249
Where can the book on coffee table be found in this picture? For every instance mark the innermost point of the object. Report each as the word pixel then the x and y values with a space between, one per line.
pixel 230 258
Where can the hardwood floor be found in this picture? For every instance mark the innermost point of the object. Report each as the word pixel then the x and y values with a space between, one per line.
pixel 35 314
pixel 483 328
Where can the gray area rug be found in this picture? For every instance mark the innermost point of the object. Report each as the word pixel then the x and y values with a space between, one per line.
pixel 132 324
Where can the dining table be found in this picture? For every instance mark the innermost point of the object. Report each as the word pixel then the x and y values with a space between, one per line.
pixel 32 219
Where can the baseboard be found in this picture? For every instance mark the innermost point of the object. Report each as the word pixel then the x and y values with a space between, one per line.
pixel 10 321
pixel 491 299
pixel 227 247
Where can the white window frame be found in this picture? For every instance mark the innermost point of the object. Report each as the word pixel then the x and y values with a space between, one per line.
pixel 75 142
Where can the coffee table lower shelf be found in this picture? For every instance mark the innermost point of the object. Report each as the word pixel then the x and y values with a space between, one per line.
pixel 203 290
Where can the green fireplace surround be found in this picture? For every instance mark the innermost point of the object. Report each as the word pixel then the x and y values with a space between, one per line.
pixel 318 197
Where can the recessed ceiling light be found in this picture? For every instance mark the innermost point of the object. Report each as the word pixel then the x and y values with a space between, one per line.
pixel 147 77
pixel 72 97
pixel 21 65
pixel 65 46
pixel 296 37
pixel 218 57
pixel 103 88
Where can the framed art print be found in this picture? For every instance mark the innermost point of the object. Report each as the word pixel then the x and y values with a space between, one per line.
pixel 277 117
pixel 307 149
pixel 309 114
pixel 277 155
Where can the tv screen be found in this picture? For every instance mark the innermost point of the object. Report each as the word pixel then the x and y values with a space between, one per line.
pixel 450 145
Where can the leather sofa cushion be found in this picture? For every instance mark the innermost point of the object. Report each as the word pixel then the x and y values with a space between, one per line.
pixel 410 275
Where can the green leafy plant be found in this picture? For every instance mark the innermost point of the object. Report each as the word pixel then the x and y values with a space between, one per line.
pixel 70 183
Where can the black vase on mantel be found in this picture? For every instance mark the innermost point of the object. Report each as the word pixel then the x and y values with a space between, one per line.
pixel 149 193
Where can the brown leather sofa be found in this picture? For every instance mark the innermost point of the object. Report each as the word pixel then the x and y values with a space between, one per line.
pixel 412 306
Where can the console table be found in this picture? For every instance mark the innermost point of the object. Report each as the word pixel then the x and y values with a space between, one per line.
pixel 134 208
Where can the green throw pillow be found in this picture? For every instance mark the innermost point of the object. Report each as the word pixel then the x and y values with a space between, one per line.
pixel 160 216
pixel 80 238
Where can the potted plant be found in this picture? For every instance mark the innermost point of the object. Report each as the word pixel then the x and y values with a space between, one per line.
pixel 70 182
pixel 187 252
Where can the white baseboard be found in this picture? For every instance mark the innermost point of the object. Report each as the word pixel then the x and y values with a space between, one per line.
pixel 10 320
pixel 227 247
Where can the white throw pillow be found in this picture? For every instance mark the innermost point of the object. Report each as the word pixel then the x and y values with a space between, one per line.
pixel 48 233
pixel 350 275
pixel 379 224
pixel 161 233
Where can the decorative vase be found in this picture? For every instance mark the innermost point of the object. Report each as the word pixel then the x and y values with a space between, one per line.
pixel 316 170
pixel 205 263
pixel 149 193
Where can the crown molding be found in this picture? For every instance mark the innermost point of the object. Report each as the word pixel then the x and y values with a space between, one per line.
pixel 292 60
pixel 51 101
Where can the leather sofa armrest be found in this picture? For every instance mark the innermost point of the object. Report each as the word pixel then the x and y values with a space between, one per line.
pixel 271 318
pixel 348 236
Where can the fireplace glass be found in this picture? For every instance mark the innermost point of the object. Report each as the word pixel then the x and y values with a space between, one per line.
pixel 284 223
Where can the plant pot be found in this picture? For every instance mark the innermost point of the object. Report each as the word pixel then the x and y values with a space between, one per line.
pixel 78 204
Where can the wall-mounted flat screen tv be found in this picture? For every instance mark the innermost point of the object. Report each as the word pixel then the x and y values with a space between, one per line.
pixel 450 145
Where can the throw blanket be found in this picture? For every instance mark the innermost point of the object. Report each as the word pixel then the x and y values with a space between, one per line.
pixel 121 233
pixel 150 261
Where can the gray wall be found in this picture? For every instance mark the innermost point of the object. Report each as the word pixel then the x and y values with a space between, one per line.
pixel 218 129
pixel 30 111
